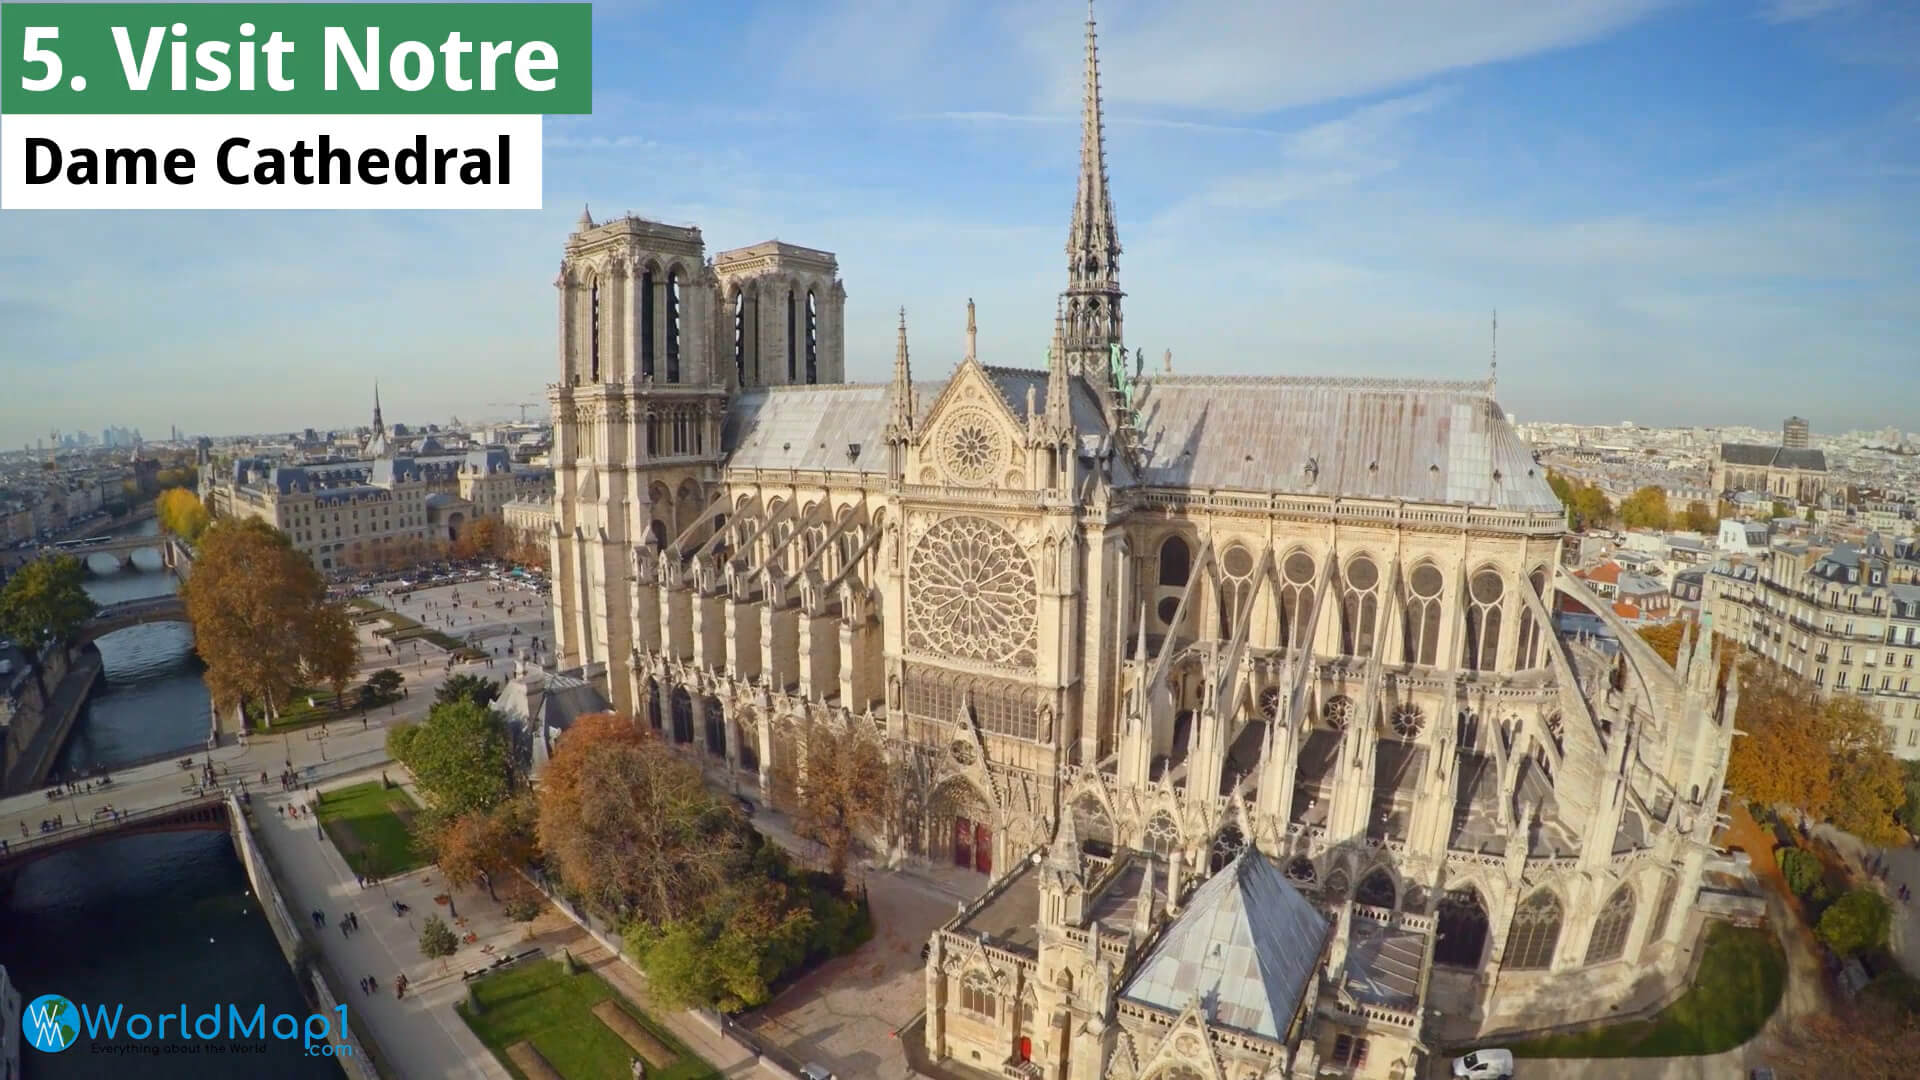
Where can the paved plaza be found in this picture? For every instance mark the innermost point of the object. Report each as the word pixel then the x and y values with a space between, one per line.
pixel 502 619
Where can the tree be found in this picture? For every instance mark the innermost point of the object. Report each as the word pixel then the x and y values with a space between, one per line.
pixel 481 536
pixel 1591 508
pixel 464 687
pixel 1856 922
pixel 437 939
pixel 1667 637
pixel 482 845
pixel 459 757
pixel 1700 518
pixel 842 791
pixel 1909 812
pixel 256 606
pixel 387 682
pixel 1784 757
pixel 1646 509
pixel 181 513
pixel 633 827
pixel 330 651
pixel 46 603
pixel 728 956
pixel 1868 783
pixel 1801 869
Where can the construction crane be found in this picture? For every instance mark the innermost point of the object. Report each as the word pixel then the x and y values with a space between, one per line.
pixel 523 406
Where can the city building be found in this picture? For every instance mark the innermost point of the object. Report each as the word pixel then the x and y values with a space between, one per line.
pixel 1788 474
pixel 367 514
pixel 10 1029
pixel 1793 433
pixel 1845 617
pixel 1240 694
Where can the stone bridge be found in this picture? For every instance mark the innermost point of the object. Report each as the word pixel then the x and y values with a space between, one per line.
pixel 123 547
pixel 150 609
pixel 194 812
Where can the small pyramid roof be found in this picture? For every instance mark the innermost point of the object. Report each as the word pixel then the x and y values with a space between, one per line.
pixel 1248 945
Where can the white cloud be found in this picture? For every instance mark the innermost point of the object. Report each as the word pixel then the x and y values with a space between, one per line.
pixel 1260 55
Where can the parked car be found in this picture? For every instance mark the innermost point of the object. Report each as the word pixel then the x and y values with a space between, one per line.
pixel 811 1071
pixel 1484 1065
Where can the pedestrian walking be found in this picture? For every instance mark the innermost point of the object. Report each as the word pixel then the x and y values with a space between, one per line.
pixel 354 918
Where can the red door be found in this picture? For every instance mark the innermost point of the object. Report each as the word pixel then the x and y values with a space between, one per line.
pixel 962 842
pixel 1026 1048
pixel 983 849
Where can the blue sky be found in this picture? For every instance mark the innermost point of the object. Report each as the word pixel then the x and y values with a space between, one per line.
pixel 1686 211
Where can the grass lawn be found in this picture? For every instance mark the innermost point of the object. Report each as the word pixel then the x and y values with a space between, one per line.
pixel 368 824
pixel 540 1002
pixel 1739 984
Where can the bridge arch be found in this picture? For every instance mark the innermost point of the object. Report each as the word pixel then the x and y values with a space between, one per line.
pixel 112 617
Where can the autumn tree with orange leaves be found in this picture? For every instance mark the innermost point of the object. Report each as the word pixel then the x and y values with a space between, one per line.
pixel 261 617
pixel 632 826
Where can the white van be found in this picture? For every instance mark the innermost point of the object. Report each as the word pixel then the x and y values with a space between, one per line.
pixel 1484 1065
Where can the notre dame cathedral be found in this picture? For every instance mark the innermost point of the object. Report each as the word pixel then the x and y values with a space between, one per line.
pixel 1242 694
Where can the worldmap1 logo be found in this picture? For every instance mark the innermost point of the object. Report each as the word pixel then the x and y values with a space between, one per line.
pixel 50 1023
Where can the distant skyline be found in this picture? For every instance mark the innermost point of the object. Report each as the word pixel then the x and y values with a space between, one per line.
pixel 1685 211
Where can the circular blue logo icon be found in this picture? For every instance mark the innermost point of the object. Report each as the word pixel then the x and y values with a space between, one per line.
pixel 50 1023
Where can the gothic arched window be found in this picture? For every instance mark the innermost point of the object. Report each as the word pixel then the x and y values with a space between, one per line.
pixel 1296 598
pixel 1462 924
pixel 1528 650
pixel 1236 567
pixel 1610 930
pixel 1483 620
pixel 593 329
pixel 1163 836
pixel 1421 622
pixel 1536 932
pixel 673 325
pixel 1176 562
pixel 976 995
pixel 654 718
pixel 646 323
pixel 1376 890
pixel 740 338
pixel 1093 825
pixel 813 339
pixel 1359 607
pixel 1227 847
pixel 716 729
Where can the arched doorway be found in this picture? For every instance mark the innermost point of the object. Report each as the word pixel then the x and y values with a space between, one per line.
pixel 1462 925
pixel 959 827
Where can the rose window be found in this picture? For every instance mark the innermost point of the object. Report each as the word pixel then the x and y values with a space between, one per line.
pixel 1270 702
pixel 1337 712
pixel 1408 719
pixel 973 595
pixel 973 453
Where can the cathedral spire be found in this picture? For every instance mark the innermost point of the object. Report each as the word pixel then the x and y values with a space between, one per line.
pixel 972 340
pixel 379 426
pixel 1058 415
pixel 900 392
pixel 1093 244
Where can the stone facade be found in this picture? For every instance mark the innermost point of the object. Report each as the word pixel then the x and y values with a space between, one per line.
pixel 1156 626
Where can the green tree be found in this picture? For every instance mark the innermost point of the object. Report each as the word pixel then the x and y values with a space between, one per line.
pixel 387 683
pixel 1646 509
pixel 1699 517
pixel 459 755
pixel 1591 508
pixel 1856 922
pixel 1909 813
pixel 46 603
pixel 1801 869
pixel 437 939
pixel 464 687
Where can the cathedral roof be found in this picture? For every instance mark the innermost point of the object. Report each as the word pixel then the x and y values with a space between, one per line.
pixel 1423 441
pixel 811 427
pixel 1248 945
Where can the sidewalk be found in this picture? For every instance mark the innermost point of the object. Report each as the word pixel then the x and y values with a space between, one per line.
pixel 420 1035
pixel 1903 868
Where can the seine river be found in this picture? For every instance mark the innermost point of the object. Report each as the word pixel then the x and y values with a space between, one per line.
pixel 151 922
